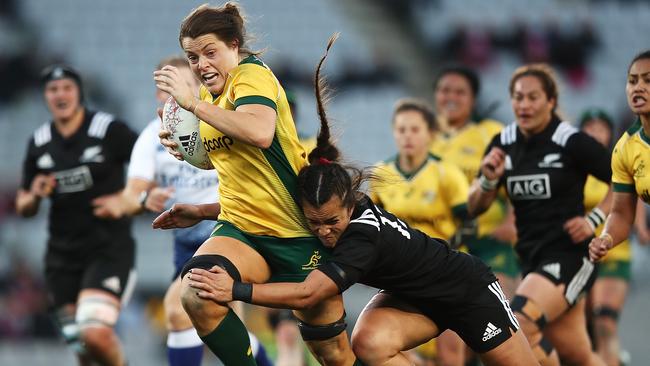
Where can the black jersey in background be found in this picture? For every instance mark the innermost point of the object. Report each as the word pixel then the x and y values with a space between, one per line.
pixel 544 177
pixel 87 164
pixel 380 250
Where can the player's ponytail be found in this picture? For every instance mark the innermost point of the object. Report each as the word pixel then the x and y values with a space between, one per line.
pixel 325 176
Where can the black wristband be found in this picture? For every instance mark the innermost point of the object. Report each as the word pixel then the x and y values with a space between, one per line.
pixel 242 291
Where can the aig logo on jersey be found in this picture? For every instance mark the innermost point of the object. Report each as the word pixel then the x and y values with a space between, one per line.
pixel 529 187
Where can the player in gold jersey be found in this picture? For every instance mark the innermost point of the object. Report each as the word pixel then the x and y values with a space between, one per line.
pixel 261 234
pixel 462 142
pixel 608 293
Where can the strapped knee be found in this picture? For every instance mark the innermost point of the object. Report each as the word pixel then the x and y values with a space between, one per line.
pixel 321 332
pixel 68 328
pixel 96 311
pixel 543 349
pixel 208 261
pixel 530 310
pixel 606 312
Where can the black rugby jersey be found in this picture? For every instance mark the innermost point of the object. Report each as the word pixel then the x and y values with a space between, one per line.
pixel 87 164
pixel 380 250
pixel 544 177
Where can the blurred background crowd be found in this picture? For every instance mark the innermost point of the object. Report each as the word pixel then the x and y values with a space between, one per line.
pixel 388 49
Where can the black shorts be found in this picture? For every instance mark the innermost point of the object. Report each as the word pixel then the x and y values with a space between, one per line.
pixel 70 268
pixel 483 321
pixel 574 270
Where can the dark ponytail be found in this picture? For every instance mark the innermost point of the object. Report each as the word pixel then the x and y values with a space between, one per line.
pixel 325 176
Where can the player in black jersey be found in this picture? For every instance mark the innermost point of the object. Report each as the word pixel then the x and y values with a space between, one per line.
pixel 543 164
pixel 71 160
pixel 426 286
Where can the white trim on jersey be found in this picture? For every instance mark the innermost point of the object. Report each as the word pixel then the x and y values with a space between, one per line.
pixel 562 133
pixel 578 281
pixel 43 135
pixel 495 288
pixel 99 124
pixel 368 218
pixel 509 134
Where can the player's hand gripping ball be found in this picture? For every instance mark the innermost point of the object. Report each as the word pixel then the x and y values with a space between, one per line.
pixel 184 128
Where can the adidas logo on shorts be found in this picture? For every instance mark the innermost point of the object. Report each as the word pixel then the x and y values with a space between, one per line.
pixel 490 332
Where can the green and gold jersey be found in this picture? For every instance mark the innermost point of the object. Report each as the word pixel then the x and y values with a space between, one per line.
pixel 257 186
pixel 629 171
pixel 426 199
pixel 595 191
pixel 465 148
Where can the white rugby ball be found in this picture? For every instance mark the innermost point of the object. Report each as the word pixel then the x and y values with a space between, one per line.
pixel 185 131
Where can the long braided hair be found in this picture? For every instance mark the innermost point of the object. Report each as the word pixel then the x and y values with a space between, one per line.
pixel 325 176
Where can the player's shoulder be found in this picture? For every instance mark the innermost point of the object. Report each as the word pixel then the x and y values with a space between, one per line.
pixel 628 138
pixel 251 65
pixel 42 135
pixel 365 216
pixel 490 126
pixel 507 136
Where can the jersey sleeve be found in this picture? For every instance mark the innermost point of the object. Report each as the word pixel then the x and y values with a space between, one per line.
pixel 143 155
pixel 254 84
pixel 120 139
pixel 622 176
pixel 29 166
pixel 591 156
pixel 353 256
pixel 454 188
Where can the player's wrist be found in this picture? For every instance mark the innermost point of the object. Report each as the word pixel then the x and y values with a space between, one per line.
pixel 607 238
pixel 488 184
pixel 242 291
pixel 595 218
pixel 142 199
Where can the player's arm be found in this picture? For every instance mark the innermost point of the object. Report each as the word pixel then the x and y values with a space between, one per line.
pixel 484 189
pixel 218 286
pixel 251 123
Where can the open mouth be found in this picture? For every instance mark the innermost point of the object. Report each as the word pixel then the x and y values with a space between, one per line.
pixel 209 76
pixel 638 101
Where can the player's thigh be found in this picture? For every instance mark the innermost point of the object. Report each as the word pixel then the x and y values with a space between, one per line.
pixel 568 333
pixel 251 265
pixel 514 351
pixel 609 292
pixel 393 323
pixel 548 296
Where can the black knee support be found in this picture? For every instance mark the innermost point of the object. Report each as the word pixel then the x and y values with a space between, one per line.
pixel 321 332
pixel 543 349
pixel 208 261
pixel 606 312
pixel 530 310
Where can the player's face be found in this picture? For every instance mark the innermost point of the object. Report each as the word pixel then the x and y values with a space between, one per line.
pixel 531 106
pixel 599 130
pixel 188 76
pixel 328 221
pixel 211 60
pixel 412 136
pixel 638 87
pixel 62 98
pixel 453 98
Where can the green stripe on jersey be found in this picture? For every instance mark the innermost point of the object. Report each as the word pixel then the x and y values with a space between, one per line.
pixel 256 99
pixel 624 188
pixel 280 164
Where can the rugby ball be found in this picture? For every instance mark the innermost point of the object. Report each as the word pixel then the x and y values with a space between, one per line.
pixel 184 128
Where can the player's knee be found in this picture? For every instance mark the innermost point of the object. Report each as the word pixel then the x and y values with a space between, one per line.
pixel 196 307
pixel 327 341
pixel 371 347
pixel 530 317
pixel 98 339
pixel 605 320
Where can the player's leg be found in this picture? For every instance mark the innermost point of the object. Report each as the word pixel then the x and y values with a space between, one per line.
pixel 607 299
pixel 386 327
pixel 323 330
pixel 96 315
pixel 184 346
pixel 537 302
pixel 514 351
pixel 450 349
pixel 568 333
pixel 217 325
